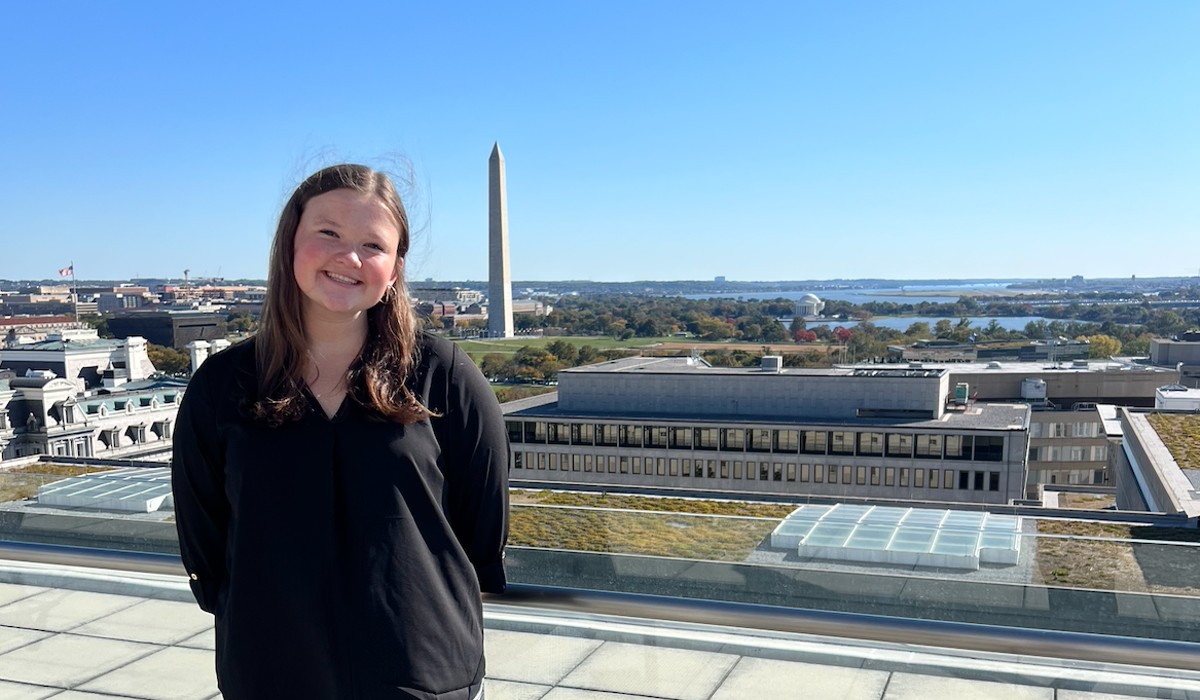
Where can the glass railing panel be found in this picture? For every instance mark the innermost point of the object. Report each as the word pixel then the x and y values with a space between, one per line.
pixel 1072 583
pixel 24 518
pixel 1115 579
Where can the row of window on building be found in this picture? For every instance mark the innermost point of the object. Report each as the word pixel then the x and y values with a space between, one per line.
pixel 1068 453
pixel 111 439
pixel 985 448
pixel 1086 429
pixel 73 448
pixel 844 474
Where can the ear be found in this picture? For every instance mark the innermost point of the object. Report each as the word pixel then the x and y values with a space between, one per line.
pixel 396 274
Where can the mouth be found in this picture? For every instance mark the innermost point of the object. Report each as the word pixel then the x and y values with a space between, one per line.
pixel 340 279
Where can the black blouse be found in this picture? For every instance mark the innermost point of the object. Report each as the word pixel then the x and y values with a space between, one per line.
pixel 343 557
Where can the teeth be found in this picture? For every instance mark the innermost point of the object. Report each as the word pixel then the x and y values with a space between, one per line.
pixel 339 278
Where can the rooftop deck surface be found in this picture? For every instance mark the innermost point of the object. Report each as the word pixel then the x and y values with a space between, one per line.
pixel 73 634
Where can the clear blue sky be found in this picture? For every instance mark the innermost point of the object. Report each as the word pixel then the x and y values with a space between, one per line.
pixel 644 140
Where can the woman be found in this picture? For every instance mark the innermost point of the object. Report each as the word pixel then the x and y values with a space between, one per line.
pixel 340 479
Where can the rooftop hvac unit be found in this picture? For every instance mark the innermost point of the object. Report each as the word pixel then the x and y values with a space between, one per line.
pixel 962 393
pixel 772 363
pixel 1033 389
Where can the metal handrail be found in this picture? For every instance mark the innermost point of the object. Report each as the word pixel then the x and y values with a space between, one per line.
pixel 1151 653
pixel 110 559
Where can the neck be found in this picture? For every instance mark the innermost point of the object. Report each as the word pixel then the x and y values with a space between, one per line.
pixel 333 337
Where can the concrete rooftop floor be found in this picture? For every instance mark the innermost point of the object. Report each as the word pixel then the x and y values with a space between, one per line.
pixel 76 634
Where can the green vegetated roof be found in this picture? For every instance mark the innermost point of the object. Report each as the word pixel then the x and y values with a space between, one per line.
pixel 1181 434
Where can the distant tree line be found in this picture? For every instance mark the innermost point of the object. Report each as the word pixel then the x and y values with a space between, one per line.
pixel 534 364
pixel 758 321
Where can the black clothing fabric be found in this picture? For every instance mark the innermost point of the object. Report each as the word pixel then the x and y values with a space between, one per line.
pixel 343 558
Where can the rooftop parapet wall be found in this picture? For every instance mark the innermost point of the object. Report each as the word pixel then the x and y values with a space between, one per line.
pixel 670 388
pixel 1161 480
pixel 1165 351
pixel 1101 386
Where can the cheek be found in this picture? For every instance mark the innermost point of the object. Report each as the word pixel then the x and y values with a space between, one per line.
pixel 304 260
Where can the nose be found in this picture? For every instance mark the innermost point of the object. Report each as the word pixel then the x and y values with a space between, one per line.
pixel 348 255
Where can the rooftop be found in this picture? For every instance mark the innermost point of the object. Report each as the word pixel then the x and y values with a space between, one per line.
pixel 685 365
pixel 1180 432
pixel 977 416
pixel 71 345
pixel 73 634
pixel 1025 368
pixel 87 624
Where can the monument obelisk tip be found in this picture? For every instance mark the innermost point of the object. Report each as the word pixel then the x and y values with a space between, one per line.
pixel 496 151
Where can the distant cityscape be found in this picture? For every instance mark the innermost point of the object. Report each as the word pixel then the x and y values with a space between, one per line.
pixel 96 370
pixel 718 285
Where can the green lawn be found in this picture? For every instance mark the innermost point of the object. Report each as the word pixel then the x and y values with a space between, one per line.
pixel 665 533
pixel 509 346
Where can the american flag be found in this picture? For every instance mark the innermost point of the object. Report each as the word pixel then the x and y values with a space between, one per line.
pixel 67 271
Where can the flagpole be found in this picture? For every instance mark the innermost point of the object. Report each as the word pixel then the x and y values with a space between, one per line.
pixel 75 292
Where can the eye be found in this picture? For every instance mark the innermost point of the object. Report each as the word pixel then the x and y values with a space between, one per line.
pixel 375 246
pixel 327 232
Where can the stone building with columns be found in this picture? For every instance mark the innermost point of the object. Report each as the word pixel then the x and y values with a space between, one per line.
pixel 43 414
pixel 199 350
pixel 79 395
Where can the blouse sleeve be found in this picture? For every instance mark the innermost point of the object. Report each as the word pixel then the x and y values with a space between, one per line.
pixel 198 488
pixel 478 465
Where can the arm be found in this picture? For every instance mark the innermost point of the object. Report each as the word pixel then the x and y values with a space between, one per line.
pixel 198 488
pixel 478 467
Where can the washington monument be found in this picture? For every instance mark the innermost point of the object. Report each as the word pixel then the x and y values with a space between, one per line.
pixel 500 317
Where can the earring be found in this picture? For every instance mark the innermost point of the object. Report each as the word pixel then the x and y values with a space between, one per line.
pixel 388 294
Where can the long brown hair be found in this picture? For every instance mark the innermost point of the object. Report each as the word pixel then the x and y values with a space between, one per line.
pixel 377 381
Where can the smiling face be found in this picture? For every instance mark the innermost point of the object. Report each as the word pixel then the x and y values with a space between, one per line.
pixel 345 254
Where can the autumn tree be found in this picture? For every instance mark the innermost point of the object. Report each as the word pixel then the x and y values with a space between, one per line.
pixel 918 330
pixel 567 354
pixel 240 322
pixel 99 322
pixel 497 366
pixel 1137 347
pixel 1101 346
pixel 169 360
pixel 587 354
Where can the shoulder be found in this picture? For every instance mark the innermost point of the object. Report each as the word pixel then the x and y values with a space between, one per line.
pixel 447 366
pixel 435 348
pixel 436 354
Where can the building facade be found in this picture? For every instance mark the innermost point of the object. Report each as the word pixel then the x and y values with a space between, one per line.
pixel 172 329
pixel 43 414
pixel 809 306
pixel 676 423
pixel 15 330
pixel 1181 352
pixel 1067 443
pixel 953 351
pixel 82 358
pixel 78 395
pixel 460 296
